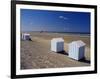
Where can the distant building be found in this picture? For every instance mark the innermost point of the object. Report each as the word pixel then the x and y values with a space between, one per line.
pixel 57 44
pixel 76 50
pixel 26 36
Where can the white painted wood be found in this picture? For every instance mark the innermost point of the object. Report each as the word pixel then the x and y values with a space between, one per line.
pixel 57 44
pixel 76 49
pixel 26 36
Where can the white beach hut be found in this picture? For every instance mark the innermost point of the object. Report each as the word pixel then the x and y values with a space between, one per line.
pixel 76 49
pixel 26 36
pixel 57 44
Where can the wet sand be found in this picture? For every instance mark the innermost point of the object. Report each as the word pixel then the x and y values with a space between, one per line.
pixel 36 54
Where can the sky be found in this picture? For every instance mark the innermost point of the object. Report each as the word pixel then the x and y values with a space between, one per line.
pixel 57 21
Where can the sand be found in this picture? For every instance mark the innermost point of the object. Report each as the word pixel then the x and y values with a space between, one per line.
pixel 36 54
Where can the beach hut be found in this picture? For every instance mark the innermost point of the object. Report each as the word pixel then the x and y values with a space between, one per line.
pixel 57 44
pixel 26 36
pixel 76 50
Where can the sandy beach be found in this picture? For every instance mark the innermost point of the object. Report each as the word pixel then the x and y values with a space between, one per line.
pixel 36 54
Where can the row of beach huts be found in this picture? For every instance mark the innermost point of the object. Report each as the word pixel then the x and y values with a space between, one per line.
pixel 76 49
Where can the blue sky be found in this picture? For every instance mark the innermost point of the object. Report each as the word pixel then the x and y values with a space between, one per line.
pixel 59 21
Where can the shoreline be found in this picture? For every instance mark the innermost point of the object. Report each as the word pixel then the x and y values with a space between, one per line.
pixel 61 33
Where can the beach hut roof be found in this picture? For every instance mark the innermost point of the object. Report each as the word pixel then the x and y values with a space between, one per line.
pixel 26 34
pixel 57 39
pixel 78 43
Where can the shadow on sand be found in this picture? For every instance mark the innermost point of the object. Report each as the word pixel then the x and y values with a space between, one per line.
pixel 85 60
pixel 63 53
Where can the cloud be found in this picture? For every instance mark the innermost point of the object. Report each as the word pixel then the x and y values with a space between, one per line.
pixel 31 23
pixel 62 17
